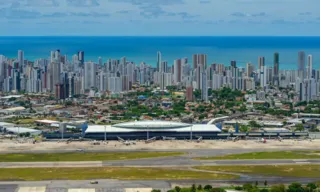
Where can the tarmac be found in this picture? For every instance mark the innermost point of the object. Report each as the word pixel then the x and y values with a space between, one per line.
pixel 135 186
pixel 121 185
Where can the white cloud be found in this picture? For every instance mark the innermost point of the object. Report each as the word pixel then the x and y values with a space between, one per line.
pixel 161 14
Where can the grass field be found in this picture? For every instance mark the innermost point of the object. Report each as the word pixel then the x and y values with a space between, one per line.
pixel 268 155
pixel 308 171
pixel 124 173
pixel 44 157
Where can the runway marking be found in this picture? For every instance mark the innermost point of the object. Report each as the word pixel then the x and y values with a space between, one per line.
pixel 32 189
pixel 138 189
pixel 81 190
pixel 303 162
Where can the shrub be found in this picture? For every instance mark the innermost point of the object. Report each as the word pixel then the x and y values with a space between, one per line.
pixel 238 188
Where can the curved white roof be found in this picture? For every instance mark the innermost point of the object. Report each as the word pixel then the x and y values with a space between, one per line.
pixel 152 124
pixel 186 128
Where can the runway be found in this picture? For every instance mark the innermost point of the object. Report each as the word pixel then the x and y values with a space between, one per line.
pixel 124 186
pixel 170 162
pixel 155 162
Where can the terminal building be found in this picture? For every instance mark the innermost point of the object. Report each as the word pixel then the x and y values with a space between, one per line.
pixel 141 130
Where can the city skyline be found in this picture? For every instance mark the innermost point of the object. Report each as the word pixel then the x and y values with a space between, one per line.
pixel 67 78
pixel 160 18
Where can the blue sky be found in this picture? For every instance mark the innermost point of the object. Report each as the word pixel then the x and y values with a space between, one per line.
pixel 160 17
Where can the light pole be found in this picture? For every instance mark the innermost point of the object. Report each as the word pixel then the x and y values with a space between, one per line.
pixel 191 133
pixel 147 132
pixel 105 133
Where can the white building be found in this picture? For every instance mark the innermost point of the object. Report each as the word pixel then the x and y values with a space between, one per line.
pixel 89 75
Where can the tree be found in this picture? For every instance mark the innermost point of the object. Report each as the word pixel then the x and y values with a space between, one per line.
pixel 299 127
pixel 197 93
pixel 177 189
pixel 243 109
pixel 217 190
pixel 256 183
pixel 254 124
pixel 247 187
pixel 244 128
pixel 265 183
pixel 193 188
pixel 295 187
pixel 278 188
pixel 207 187
pixel 199 188
pixel 156 190
pixel 264 190
pixel 311 187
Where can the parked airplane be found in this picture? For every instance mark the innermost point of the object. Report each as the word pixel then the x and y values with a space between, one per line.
pixel 168 138
pixel 262 140
pixel 199 139
pixel 80 150
pixel 151 140
pixel 126 142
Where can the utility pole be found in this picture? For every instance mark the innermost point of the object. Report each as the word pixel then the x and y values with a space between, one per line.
pixel 105 133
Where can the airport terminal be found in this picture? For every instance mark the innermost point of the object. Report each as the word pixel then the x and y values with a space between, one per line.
pixel 142 130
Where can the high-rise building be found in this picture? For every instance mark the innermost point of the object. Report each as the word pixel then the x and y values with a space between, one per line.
pixel 159 61
pixel 177 71
pixel 89 75
pixel 199 59
pixel 250 69
pixel 189 93
pixel 20 59
pixel 301 64
pixel 81 57
pixel 164 67
pixel 276 69
pixel 263 76
pixel 55 72
pixel 233 64
pixel 261 62
pixel 310 67
pixel 204 87
pixel 199 71
pixel 100 61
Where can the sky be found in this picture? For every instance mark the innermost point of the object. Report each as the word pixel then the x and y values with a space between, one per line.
pixel 159 17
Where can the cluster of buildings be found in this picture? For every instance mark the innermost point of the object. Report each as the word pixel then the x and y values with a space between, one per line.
pixel 66 78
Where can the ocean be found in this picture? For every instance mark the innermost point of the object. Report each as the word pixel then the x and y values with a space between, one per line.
pixel 144 49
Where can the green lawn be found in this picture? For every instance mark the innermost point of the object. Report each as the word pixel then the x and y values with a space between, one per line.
pixel 268 155
pixel 43 157
pixel 310 171
pixel 124 173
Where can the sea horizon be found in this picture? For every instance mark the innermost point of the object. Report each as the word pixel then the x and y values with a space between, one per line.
pixel 220 49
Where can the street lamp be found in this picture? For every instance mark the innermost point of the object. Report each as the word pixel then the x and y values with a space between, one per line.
pixel 105 133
